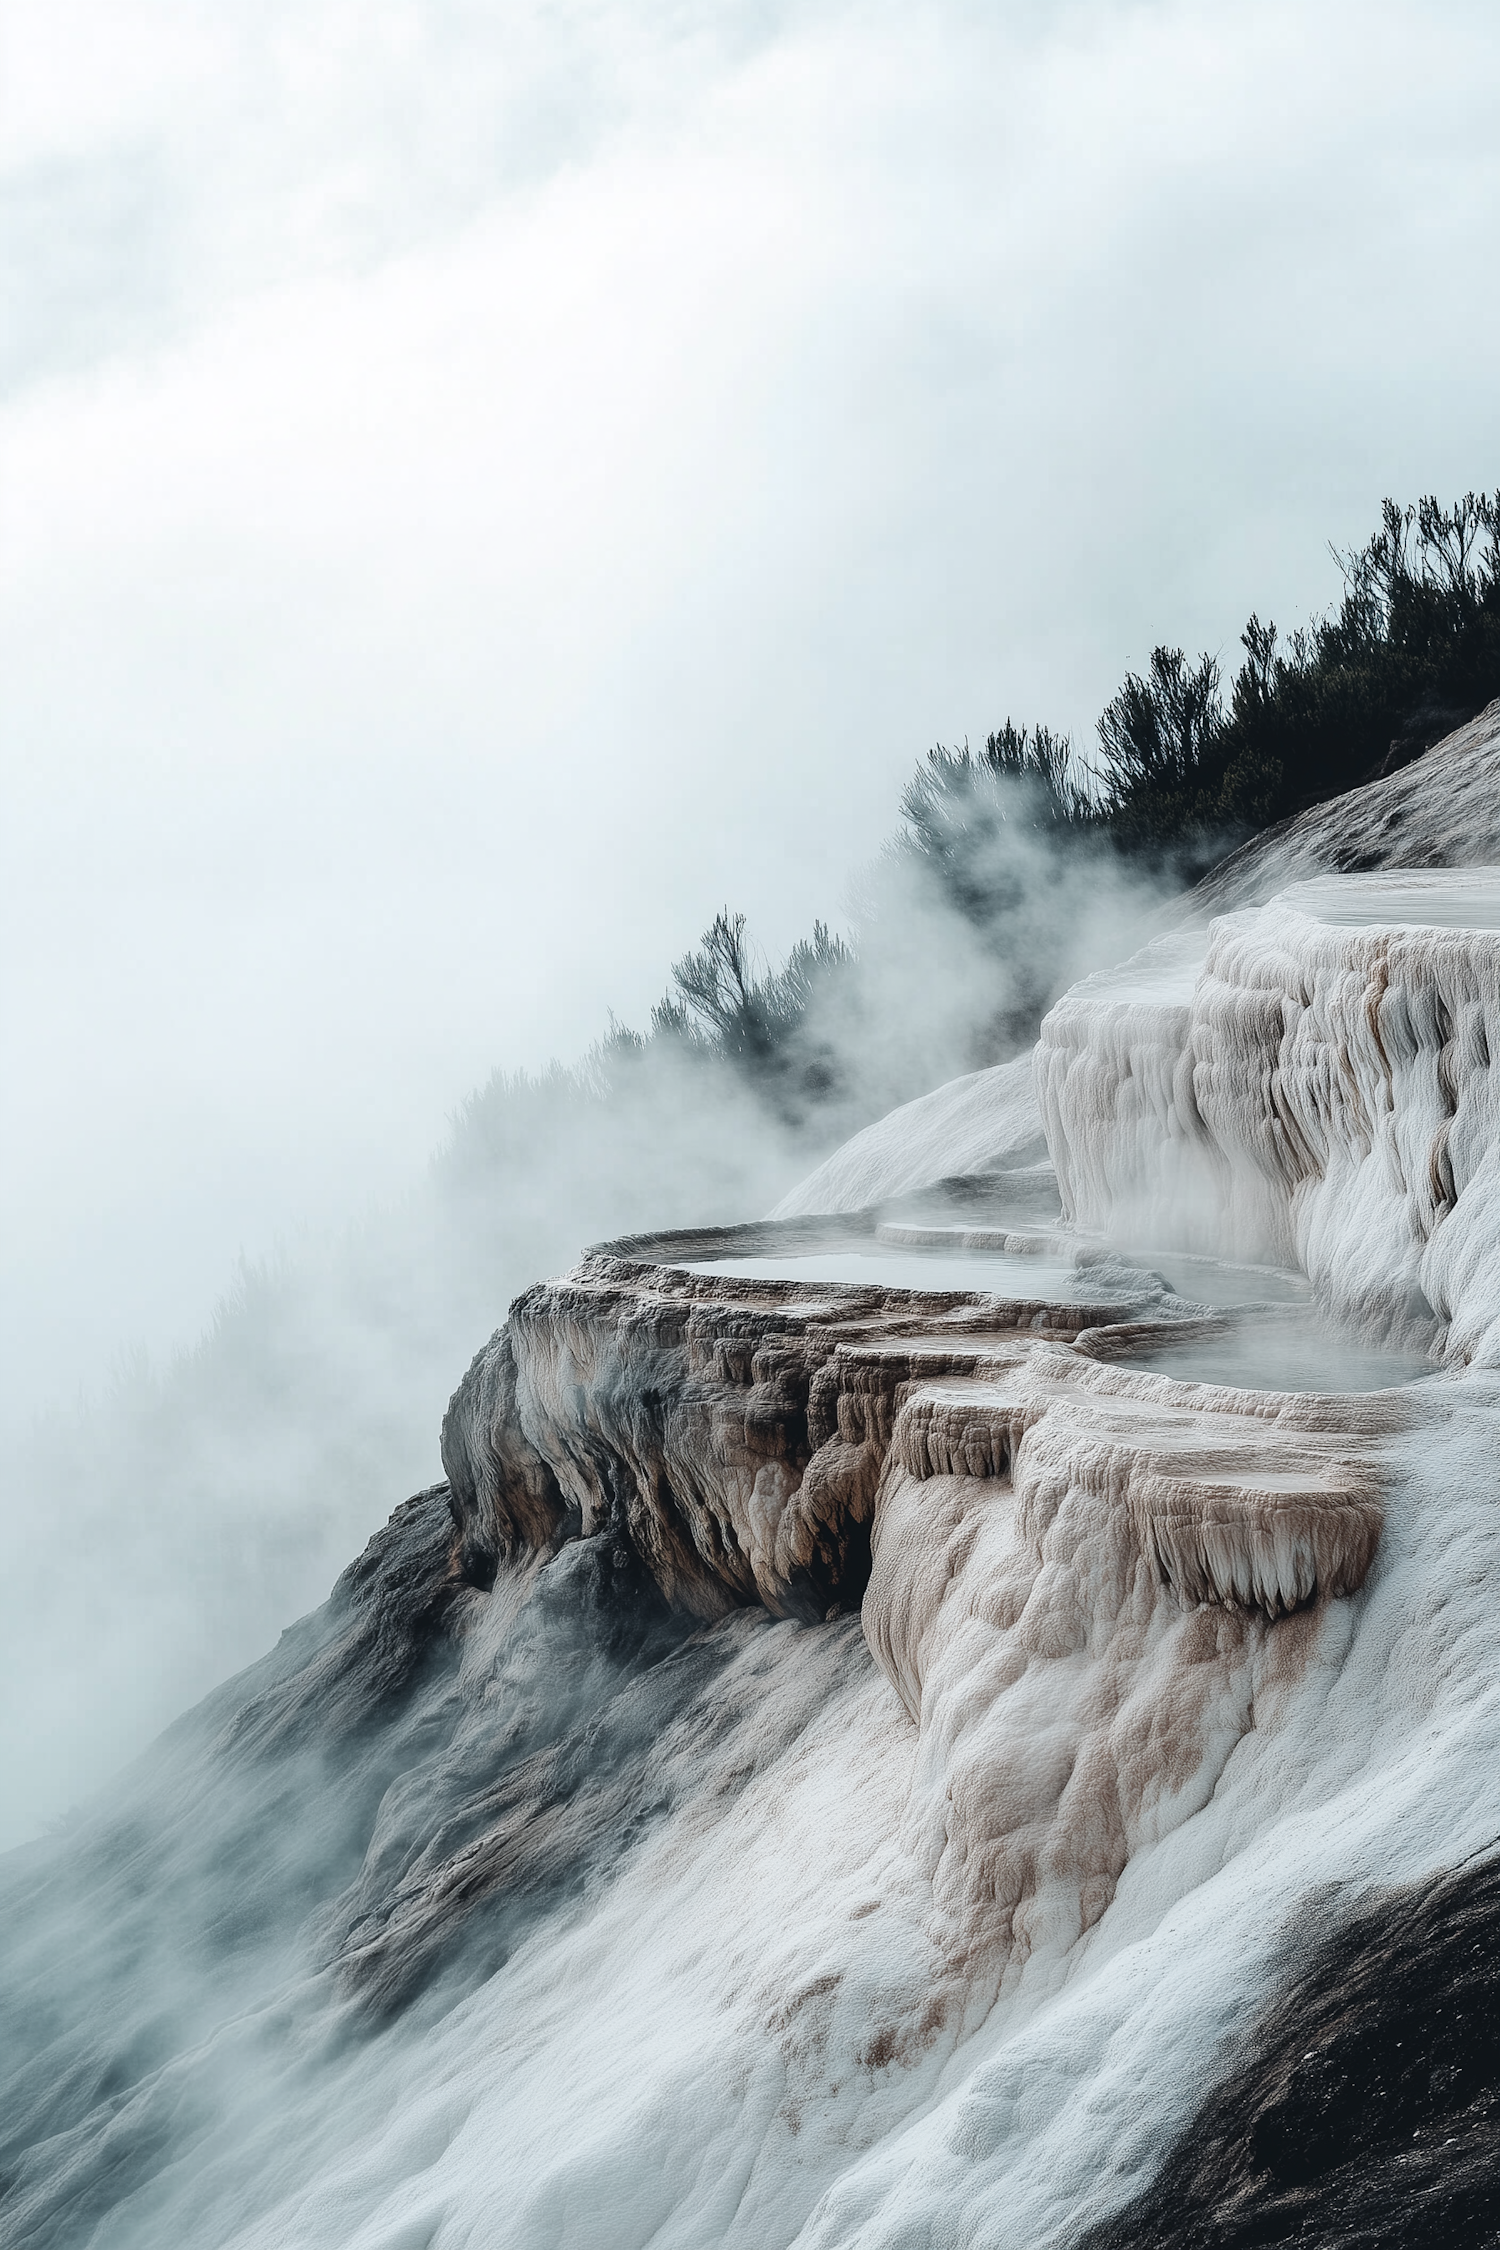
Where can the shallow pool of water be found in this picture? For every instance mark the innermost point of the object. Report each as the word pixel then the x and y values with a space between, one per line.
pixel 1285 1355
pixel 1034 1277
pixel 1209 1281
pixel 1202 1281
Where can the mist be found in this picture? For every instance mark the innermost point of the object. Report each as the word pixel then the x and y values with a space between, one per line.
pixel 207 1501
pixel 481 496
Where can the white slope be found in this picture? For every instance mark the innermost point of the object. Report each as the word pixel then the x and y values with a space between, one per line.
pixel 935 1930
pixel 1443 810
pixel 987 1122
pixel 788 2020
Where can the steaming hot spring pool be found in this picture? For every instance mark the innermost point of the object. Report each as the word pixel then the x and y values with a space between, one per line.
pixel 1019 1262
pixel 878 1266
pixel 1278 1340
pixel 1297 1352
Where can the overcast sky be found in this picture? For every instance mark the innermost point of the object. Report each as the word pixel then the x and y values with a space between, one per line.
pixel 485 485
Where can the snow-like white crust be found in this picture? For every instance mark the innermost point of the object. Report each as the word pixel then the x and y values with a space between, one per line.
pixel 1078 1571
pixel 1317 1091
pixel 983 1123
pixel 958 1980
pixel 1442 810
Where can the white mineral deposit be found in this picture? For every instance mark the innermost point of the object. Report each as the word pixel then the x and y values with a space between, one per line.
pixel 847 1750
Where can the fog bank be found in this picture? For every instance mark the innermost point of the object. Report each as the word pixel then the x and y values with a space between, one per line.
pixel 481 492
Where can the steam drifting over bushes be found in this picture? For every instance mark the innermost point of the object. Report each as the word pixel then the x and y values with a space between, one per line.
pixel 206 1503
pixel 1179 778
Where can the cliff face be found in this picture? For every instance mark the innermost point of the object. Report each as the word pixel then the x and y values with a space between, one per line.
pixel 850 1761
pixel 732 1429
pixel 1063 1550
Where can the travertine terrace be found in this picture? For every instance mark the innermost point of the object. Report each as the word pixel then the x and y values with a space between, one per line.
pixel 855 1752
pixel 1308 1082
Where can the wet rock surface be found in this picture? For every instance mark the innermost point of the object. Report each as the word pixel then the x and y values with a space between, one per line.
pixel 1362 2107
pixel 374 1817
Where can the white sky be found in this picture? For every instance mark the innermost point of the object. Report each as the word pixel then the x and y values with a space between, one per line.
pixel 483 487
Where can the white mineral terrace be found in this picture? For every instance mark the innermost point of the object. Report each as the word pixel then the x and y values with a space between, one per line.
pixel 1308 1083
pixel 1287 1107
pixel 908 1670
pixel 1005 1274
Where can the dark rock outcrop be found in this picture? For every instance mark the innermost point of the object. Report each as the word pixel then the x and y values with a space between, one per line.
pixel 1362 2111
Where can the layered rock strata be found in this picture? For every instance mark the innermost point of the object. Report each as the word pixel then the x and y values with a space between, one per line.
pixel 727 1425
pixel 1083 1580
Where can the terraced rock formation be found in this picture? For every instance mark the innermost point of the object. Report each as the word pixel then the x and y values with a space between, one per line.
pixel 733 1428
pixel 878 1741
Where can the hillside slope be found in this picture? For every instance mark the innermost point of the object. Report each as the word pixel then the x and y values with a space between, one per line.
pixel 998 1743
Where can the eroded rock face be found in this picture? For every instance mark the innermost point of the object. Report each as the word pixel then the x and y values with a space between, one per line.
pixel 575 1874
pixel 733 1429
pixel 1105 1599
pixel 1085 1577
